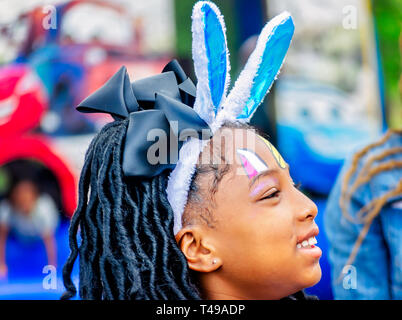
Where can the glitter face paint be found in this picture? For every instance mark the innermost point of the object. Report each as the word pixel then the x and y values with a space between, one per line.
pixel 252 163
pixel 275 153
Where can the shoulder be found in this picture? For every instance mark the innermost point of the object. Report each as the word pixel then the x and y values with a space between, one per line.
pixel 45 200
pixel 45 205
pixel 381 167
pixel 46 213
pixel 375 166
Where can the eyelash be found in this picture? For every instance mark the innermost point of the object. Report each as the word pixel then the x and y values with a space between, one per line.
pixel 272 195
pixel 276 193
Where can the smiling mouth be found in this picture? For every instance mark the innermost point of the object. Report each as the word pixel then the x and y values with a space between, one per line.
pixel 309 243
pixel 308 247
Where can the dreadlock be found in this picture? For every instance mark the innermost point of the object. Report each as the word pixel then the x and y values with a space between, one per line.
pixel 127 250
pixel 371 210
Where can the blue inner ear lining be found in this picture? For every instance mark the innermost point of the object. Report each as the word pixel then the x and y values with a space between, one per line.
pixel 216 51
pixel 275 51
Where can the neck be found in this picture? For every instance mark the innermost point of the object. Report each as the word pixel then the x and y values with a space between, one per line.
pixel 215 287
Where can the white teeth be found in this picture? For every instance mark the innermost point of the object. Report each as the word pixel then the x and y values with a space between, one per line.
pixel 310 242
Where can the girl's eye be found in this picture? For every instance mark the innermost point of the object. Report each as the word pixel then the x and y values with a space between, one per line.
pixel 272 195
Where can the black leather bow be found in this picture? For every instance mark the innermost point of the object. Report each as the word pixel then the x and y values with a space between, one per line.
pixel 160 113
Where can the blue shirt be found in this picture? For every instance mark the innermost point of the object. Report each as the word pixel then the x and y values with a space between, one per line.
pixel 376 272
pixel 43 219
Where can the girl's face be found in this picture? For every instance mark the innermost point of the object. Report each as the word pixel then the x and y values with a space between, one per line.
pixel 24 197
pixel 262 224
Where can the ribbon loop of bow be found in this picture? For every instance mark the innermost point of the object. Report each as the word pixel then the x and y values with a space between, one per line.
pixel 160 113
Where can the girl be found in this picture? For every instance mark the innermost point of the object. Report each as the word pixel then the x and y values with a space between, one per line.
pixel 179 198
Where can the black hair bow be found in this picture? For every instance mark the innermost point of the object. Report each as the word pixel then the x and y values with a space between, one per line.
pixel 160 113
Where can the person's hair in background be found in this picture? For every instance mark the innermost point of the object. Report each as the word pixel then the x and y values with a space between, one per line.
pixel 371 168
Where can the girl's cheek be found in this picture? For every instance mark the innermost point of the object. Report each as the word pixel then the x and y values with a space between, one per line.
pixel 284 230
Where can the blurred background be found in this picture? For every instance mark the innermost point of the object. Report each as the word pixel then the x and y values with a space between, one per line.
pixel 340 88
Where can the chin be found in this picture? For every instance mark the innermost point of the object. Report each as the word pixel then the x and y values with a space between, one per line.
pixel 313 276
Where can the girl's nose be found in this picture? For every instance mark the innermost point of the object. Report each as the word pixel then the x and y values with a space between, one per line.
pixel 307 209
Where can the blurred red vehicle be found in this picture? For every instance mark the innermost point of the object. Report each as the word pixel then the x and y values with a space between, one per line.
pixel 23 101
pixel 68 51
pixel 85 43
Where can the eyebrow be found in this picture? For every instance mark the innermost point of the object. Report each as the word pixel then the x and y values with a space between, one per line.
pixel 262 174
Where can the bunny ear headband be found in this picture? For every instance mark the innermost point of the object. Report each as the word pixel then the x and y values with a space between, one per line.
pixel 171 98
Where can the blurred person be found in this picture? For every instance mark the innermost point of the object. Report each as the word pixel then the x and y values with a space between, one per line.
pixel 363 222
pixel 28 215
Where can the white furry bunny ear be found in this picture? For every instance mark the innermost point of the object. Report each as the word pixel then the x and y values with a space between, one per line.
pixel 211 59
pixel 261 69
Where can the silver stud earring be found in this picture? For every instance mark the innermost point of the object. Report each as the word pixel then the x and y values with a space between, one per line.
pixel 214 261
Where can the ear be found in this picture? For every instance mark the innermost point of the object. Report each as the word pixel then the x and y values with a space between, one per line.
pixel 198 249
pixel 261 68
pixel 211 59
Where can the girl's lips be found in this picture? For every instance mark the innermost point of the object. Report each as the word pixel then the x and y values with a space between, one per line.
pixel 312 251
pixel 312 233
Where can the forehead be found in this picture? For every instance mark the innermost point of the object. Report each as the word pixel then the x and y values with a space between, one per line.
pixel 246 144
pixel 24 187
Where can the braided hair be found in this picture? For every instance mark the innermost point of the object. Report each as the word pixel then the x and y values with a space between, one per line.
pixel 371 168
pixel 128 250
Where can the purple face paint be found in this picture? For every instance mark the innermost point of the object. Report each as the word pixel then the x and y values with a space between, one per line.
pixel 250 170
pixel 252 164
pixel 262 186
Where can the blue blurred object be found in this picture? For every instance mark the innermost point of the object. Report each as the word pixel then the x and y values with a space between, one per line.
pixel 315 171
pixel 375 272
pixel 323 288
pixel 25 265
pixel 318 127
